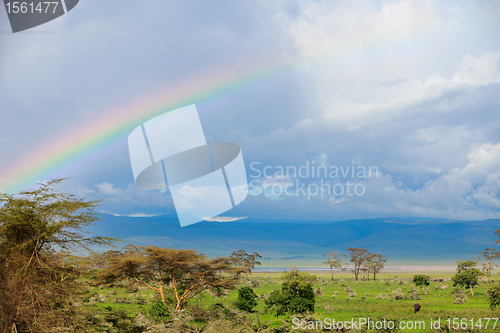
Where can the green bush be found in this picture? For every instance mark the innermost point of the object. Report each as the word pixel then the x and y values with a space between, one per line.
pixel 494 295
pixel 296 294
pixel 246 299
pixel 159 311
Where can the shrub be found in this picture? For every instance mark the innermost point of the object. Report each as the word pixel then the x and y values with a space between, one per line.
pixel 121 300
pixel 140 301
pixel 494 295
pixel 115 320
pixel 396 294
pixel 246 299
pixel 296 294
pixel 159 311
pixel 460 296
pixel 221 325
pixel 255 283
pixel 414 295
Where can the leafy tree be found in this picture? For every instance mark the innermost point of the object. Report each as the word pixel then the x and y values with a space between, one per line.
pixel 494 296
pixel 487 258
pixel 336 260
pixel 467 275
pixel 358 257
pixel 296 294
pixel 422 281
pixel 246 300
pixel 38 280
pixel 186 271
pixel 374 263
pixel 244 262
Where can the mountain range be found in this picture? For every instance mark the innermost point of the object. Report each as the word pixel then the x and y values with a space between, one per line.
pixel 412 241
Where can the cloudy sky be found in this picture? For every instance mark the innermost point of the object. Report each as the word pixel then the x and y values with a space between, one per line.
pixel 409 87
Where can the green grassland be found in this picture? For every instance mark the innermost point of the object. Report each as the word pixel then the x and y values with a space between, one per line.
pixel 372 299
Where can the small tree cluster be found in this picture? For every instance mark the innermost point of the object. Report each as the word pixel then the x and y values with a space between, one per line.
pixel 362 260
pixel 336 260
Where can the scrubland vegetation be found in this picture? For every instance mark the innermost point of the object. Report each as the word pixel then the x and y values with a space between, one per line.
pixel 53 282
pixel 128 306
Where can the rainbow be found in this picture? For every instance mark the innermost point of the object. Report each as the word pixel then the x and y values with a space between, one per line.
pixel 72 146
pixel 117 122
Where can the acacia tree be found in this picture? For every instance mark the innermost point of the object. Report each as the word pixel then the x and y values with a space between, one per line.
pixel 38 280
pixel 244 262
pixel 187 272
pixel 335 260
pixel 365 265
pixel 467 275
pixel 332 261
pixel 342 264
pixel 374 263
pixel 487 258
pixel 358 257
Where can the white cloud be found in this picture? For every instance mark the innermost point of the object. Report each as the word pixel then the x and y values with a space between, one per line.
pixel 225 218
pixel 479 71
pixel 127 201
pixel 407 86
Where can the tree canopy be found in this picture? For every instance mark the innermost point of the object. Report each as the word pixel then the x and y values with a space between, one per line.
pixel 422 281
pixel 487 259
pixel 374 263
pixel 186 271
pixel 336 260
pixel 36 227
pixel 358 257
pixel 244 262
pixel 467 275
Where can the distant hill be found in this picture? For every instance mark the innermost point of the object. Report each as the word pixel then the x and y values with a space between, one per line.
pixel 409 239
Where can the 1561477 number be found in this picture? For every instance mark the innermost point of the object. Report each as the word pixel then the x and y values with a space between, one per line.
pixel 25 7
